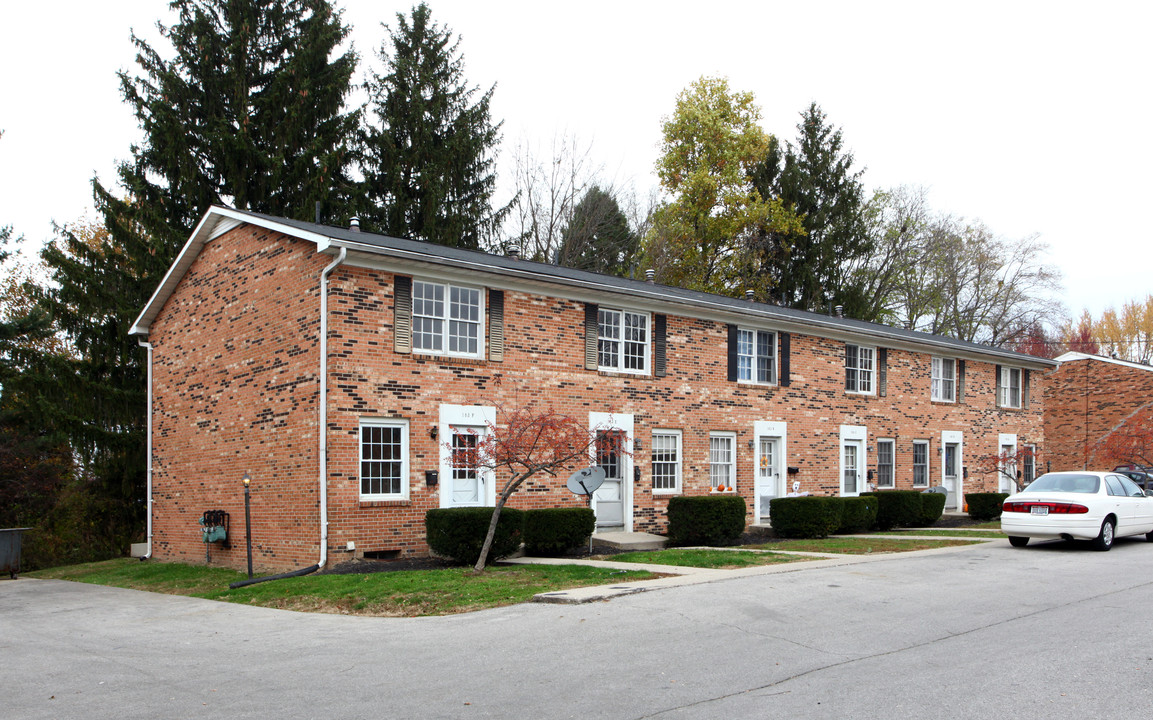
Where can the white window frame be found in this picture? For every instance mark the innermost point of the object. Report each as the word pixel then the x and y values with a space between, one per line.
pixel 446 319
pixel 1005 387
pixel 1029 464
pixel 400 424
pixel 864 378
pixel 926 464
pixel 621 326
pixel 892 444
pixel 676 464
pixel 749 357
pixel 725 438
pixel 942 381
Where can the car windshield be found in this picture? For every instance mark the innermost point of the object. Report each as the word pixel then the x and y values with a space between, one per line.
pixel 1065 483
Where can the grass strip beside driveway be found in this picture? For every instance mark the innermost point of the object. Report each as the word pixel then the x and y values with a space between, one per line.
pixel 406 593
pixel 995 534
pixel 863 545
pixel 704 558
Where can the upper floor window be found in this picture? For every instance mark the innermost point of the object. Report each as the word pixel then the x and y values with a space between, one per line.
pixel 756 356
pixel 383 459
pixel 446 319
pixel 860 366
pixel 944 379
pixel 623 341
pixel 1009 387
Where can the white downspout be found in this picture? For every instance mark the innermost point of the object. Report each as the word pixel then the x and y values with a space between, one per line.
pixel 323 429
pixel 148 493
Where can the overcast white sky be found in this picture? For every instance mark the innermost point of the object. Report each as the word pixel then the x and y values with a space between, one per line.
pixel 1033 117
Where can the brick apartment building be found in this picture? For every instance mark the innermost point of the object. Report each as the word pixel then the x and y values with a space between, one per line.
pixel 1086 398
pixel 418 346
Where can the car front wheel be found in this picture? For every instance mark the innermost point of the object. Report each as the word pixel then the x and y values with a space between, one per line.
pixel 1104 539
pixel 1018 541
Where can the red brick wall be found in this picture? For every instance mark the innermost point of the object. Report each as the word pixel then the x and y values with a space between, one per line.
pixel 236 362
pixel 1085 400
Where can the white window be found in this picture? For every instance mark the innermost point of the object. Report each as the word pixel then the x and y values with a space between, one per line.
pixel 859 368
pixel 885 463
pixel 666 461
pixel 383 459
pixel 944 381
pixel 756 356
pixel 920 463
pixel 722 460
pixel 623 341
pixel 1029 464
pixel 1009 387
pixel 446 319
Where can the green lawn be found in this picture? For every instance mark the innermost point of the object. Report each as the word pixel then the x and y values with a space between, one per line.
pixel 693 557
pixel 388 594
pixel 861 546
pixel 948 533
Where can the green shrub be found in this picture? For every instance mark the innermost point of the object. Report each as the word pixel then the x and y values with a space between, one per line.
pixel 706 519
pixel 985 506
pixel 458 533
pixel 855 515
pixel 872 505
pixel 552 531
pixel 932 505
pixel 805 517
pixel 897 508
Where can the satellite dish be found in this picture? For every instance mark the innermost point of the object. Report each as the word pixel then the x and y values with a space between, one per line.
pixel 586 481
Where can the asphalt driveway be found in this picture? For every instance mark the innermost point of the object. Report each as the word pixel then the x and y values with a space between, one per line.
pixel 983 631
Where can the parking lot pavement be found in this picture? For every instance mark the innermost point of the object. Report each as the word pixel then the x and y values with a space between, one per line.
pixel 1047 631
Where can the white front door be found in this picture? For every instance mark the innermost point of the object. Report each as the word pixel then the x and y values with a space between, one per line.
pixel 1007 467
pixel 851 468
pixel 467 481
pixel 768 475
pixel 609 500
pixel 950 473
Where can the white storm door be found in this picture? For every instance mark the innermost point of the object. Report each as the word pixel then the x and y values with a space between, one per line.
pixel 467 480
pixel 950 475
pixel 1007 470
pixel 768 478
pixel 851 467
pixel 609 497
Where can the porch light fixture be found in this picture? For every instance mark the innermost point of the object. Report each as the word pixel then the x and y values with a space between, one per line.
pixel 752 444
pixel 433 432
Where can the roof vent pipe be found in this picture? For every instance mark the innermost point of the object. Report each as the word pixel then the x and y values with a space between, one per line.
pixel 840 311
pixel 354 224
pixel 514 252
pixel 749 295
pixel 650 276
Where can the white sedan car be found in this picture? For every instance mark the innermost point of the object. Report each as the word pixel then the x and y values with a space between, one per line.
pixel 1097 506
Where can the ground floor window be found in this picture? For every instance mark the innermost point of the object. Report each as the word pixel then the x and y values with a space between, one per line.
pixel 1029 464
pixel 666 461
pixel 722 460
pixel 920 463
pixel 383 459
pixel 885 464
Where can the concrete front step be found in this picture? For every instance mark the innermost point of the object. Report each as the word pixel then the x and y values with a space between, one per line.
pixel 630 540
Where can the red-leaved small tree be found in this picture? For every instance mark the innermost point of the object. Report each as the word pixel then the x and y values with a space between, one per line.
pixel 1130 443
pixel 529 441
pixel 1009 464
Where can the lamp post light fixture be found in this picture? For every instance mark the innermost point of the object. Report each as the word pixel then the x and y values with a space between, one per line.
pixel 248 521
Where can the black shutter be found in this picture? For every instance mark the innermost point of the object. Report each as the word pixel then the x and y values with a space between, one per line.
pixel 1024 388
pixel 496 325
pixel 592 332
pixel 997 386
pixel 402 313
pixel 851 366
pixel 732 353
pixel 660 331
pixel 882 371
pixel 785 342
pixel 960 380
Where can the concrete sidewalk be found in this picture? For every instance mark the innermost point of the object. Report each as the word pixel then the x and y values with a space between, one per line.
pixel 679 575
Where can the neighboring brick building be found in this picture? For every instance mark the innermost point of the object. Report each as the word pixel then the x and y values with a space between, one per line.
pixel 1086 398
pixel 425 342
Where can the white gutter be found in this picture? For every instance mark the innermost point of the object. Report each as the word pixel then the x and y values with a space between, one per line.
pixel 323 428
pixel 148 493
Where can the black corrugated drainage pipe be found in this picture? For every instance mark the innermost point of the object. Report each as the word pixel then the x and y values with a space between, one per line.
pixel 281 576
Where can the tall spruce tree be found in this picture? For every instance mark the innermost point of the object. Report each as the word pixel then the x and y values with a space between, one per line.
pixel 815 179
pixel 598 237
pixel 430 145
pixel 247 112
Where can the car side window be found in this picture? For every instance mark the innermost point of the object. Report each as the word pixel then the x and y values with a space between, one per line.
pixel 1131 488
pixel 1114 484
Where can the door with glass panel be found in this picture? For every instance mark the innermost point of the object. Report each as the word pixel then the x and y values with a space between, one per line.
pixel 851 467
pixel 468 488
pixel 608 500
pixel 950 474
pixel 768 477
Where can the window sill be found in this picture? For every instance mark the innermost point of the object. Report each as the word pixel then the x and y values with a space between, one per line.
pixel 614 372
pixel 856 393
pixel 667 492
pixel 447 359
pixel 398 502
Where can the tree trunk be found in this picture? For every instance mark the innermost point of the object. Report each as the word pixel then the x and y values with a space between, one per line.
pixel 500 502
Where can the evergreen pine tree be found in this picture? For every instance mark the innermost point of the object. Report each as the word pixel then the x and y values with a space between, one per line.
pixel 598 237
pixel 430 146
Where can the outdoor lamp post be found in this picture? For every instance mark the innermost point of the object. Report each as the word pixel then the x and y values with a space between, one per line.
pixel 248 521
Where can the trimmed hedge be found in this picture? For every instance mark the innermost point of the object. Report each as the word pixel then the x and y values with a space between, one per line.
pixel 706 519
pixel 552 531
pixel 805 517
pixel 932 506
pixel 985 506
pixel 458 533
pixel 855 515
pixel 897 508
